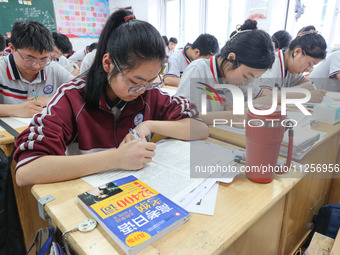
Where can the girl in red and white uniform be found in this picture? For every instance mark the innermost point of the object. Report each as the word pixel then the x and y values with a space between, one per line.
pixel 90 117
pixel 304 52
pixel 248 54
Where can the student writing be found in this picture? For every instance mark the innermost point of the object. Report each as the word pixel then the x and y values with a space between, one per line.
pixel 203 47
pixel 327 74
pixel 91 116
pixel 305 51
pixel 29 69
pixel 247 54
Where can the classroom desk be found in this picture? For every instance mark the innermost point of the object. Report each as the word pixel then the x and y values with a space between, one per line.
pixel 26 203
pixel 243 210
pixel 310 193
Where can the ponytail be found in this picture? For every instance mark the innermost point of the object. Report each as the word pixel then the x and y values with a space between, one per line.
pixel 129 42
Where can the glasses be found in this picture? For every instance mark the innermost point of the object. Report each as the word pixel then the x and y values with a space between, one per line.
pixel 137 88
pixel 33 62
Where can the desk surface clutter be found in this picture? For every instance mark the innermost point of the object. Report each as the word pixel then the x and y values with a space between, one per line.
pixel 215 235
pixel 280 210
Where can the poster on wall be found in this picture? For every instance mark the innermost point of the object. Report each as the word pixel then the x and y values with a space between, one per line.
pixel 81 18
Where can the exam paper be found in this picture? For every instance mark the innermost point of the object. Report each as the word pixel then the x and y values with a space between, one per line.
pixel 169 172
pixel 24 120
pixel 14 122
pixel 165 179
pixel 207 204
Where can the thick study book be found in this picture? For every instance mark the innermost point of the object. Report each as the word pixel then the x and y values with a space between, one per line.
pixel 132 213
pixel 303 141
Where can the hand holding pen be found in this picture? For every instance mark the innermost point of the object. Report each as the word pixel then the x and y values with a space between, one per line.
pixel 35 95
pixel 135 134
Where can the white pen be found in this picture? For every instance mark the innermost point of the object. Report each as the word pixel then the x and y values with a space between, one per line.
pixel 135 134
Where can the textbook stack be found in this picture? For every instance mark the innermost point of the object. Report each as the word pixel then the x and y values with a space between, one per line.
pixel 132 213
pixel 304 139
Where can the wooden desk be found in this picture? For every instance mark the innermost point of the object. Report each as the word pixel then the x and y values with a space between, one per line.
pixel 243 210
pixel 309 194
pixel 26 203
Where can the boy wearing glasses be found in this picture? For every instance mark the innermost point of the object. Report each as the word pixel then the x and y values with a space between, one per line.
pixel 29 69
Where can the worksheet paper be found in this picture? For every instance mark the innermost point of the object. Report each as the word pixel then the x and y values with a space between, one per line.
pixel 169 172
pixel 24 120
pixel 206 205
pixel 15 122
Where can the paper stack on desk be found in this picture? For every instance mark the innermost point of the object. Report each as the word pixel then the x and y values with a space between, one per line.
pixel 169 172
pixel 304 138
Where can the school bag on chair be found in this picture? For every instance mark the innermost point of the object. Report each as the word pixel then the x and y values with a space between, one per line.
pixel 11 235
pixel 44 244
pixel 326 222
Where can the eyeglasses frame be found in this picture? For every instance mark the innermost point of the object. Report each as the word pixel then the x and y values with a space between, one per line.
pixel 139 87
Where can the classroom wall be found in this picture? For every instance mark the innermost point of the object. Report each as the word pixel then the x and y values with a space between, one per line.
pixel 143 10
pixel 81 43
pixel 139 8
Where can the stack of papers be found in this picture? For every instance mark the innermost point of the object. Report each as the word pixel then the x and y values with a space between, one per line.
pixel 303 140
pixel 169 173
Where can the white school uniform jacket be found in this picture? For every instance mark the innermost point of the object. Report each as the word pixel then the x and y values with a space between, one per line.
pixel 79 55
pixel 63 61
pixel 177 63
pixel 325 73
pixel 88 61
pixel 277 76
pixel 14 89
pixel 206 71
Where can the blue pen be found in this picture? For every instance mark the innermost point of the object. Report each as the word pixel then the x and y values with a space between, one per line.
pixel 35 95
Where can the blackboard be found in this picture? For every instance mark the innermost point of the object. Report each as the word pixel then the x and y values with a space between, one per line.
pixel 39 10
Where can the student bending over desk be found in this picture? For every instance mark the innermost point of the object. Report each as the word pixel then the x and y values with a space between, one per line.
pixel 28 69
pixel 248 54
pixel 305 51
pixel 92 116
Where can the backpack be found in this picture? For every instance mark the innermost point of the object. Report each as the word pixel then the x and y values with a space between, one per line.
pixel 326 222
pixel 44 243
pixel 11 235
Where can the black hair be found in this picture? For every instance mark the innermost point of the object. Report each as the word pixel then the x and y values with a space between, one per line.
pixel 207 44
pixel 166 41
pixel 8 40
pixel 247 24
pixel 62 42
pixel 173 39
pixel 312 43
pixel 2 42
pixel 92 46
pixel 281 39
pixel 252 48
pixel 32 35
pixel 306 29
pixel 129 43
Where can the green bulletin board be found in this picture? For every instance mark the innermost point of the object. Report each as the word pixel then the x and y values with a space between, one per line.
pixel 39 10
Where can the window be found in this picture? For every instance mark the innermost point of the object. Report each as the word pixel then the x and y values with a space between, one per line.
pixel 173 12
pixel 217 20
pixel 187 19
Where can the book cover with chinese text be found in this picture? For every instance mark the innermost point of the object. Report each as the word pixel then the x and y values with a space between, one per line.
pixel 133 214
